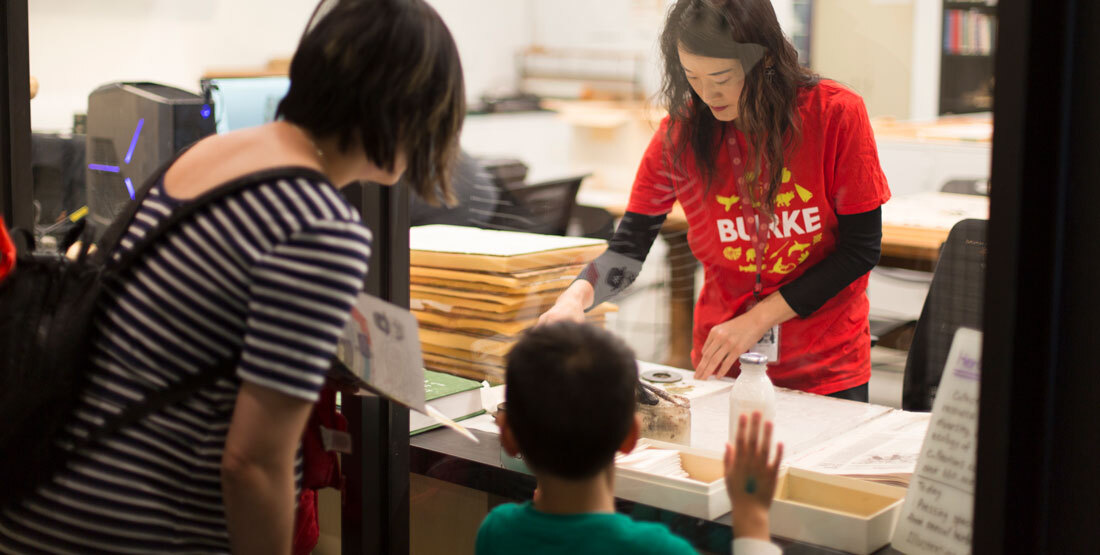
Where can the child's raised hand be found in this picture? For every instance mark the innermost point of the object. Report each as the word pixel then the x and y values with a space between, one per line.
pixel 751 477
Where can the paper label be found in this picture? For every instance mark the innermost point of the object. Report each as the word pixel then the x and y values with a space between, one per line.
pixel 938 514
pixel 335 440
pixel 768 345
pixel 381 346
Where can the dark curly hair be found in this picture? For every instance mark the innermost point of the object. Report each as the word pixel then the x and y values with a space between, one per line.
pixel 746 30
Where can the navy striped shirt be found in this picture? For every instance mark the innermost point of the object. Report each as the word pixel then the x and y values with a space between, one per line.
pixel 271 273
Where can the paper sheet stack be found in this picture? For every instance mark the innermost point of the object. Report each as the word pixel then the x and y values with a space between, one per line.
pixel 474 291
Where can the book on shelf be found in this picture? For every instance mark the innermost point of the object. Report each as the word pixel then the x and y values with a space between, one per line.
pixel 457 398
pixel 968 32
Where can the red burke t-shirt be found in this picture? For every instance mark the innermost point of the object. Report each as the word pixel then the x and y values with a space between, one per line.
pixel 835 170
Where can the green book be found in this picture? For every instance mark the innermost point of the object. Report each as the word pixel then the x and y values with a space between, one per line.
pixel 457 398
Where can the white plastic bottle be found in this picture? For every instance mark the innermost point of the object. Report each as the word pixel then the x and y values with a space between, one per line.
pixel 752 391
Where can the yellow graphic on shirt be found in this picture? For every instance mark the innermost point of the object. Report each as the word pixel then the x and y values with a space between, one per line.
pixel 792 253
pixel 779 251
pixel 781 268
pixel 728 202
pixel 783 199
pixel 803 193
pixel 798 247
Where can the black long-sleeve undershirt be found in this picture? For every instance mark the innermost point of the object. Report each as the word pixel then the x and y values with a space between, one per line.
pixel 858 247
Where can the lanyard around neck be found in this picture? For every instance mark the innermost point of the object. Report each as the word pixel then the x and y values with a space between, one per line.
pixel 757 222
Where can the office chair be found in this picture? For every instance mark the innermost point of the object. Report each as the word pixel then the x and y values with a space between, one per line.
pixel 977 187
pixel 547 206
pixel 592 221
pixel 954 301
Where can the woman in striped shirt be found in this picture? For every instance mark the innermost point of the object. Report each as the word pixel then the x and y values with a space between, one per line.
pixel 267 274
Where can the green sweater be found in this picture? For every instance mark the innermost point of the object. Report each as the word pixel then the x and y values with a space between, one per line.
pixel 513 528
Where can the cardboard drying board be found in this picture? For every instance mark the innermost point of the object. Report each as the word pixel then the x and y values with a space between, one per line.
pixel 515 305
pixel 464 369
pixel 546 287
pixel 509 300
pixel 939 510
pixel 448 308
pixel 491 326
pixel 463 355
pixel 521 279
pixel 486 250
pixel 466 342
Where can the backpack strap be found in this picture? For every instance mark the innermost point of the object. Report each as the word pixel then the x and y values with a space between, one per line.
pixel 183 389
pixel 154 402
pixel 114 232
pixel 202 201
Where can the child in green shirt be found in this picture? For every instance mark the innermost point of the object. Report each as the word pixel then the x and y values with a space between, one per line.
pixel 570 407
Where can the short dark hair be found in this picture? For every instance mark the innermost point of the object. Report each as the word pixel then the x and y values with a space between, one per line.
pixel 571 397
pixel 385 72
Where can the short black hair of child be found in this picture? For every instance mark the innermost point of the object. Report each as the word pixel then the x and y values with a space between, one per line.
pixel 570 397
pixel 385 73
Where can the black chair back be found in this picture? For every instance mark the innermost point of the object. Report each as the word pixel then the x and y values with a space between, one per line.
pixel 954 301
pixel 547 206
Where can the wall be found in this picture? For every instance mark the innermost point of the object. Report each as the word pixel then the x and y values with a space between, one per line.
pixel 867 45
pixel 77 45
pixel 924 99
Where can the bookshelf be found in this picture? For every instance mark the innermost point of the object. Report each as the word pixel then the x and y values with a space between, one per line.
pixel 966 56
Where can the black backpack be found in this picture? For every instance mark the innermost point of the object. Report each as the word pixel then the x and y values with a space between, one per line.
pixel 47 303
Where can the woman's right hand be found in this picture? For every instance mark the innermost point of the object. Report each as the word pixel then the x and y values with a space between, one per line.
pixel 570 304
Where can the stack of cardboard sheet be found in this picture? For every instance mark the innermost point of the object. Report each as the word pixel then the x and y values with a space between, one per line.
pixel 474 291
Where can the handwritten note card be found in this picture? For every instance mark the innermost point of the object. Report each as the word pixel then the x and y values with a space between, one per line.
pixel 939 507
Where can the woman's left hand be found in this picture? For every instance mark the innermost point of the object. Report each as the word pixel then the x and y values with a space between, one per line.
pixel 726 342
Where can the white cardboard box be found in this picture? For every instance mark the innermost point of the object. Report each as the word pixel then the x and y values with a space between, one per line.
pixel 842 513
pixel 704 496
pixel 834 511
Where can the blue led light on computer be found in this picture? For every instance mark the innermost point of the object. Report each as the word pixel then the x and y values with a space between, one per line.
pixel 129 156
pixel 133 141
pixel 205 111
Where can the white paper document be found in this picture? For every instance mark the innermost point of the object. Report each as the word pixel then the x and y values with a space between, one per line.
pixel 471 240
pixel 884 449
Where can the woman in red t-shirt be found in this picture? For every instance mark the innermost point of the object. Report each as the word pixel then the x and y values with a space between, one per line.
pixel 778 174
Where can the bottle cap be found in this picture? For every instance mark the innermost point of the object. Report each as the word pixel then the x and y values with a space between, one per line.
pixel 754 358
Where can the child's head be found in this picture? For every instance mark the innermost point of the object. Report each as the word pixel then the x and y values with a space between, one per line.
pixel 570 399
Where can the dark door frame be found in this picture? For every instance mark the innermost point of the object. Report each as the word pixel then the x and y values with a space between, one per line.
pixel 16 187
pixel 1036 489
pixel 375 513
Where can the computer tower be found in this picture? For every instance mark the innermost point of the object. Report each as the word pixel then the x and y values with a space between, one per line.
pixel 132 129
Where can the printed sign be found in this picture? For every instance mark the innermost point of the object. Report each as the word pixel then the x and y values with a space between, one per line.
pixel 938 514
